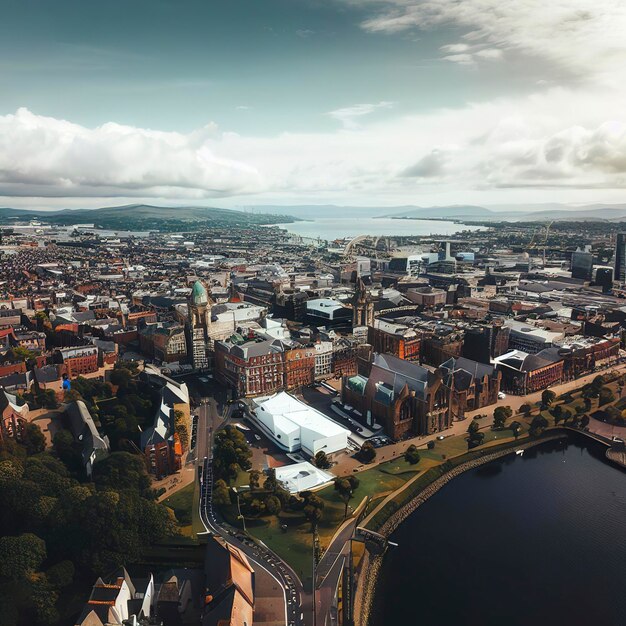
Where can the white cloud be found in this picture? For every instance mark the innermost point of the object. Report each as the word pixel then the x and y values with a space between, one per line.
pixel 43 156
pixel 349 116
pixel 585 38
pixel 573 141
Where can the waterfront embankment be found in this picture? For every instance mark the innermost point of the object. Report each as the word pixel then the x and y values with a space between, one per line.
pixel 370 565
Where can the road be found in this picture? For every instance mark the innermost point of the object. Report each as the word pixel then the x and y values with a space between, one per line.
pixel 259 555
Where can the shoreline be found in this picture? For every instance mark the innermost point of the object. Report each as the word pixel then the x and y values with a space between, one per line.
pixel 369 567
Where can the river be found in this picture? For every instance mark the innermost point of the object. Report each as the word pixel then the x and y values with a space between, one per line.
pixel 330 228
pixel 535 540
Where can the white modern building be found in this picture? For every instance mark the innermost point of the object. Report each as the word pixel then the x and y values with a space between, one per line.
pixel 302 477
pixel 294 425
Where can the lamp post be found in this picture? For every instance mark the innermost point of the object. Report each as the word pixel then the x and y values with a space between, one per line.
pixel 240 516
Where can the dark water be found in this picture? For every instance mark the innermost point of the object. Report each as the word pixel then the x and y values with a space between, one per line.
pixel 538 540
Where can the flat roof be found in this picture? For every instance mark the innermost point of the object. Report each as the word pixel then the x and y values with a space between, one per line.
pixel 285 408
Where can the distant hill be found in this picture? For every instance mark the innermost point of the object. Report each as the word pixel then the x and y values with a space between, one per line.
pixel 454 211
pixel 146 217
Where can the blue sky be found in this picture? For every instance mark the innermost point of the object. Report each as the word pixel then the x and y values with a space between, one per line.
pixel 346 101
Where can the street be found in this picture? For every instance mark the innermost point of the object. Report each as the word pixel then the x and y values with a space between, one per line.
pixel 259 556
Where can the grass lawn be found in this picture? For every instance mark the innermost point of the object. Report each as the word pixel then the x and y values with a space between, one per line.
pixel 184 503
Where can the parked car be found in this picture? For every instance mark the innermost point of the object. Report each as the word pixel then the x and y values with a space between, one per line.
pixel 501 395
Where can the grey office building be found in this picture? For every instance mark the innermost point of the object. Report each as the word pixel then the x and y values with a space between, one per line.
pixel 620 258
pixel 582 264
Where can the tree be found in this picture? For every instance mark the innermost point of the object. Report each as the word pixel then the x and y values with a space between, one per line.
pixel 516 427
pixel 557 413
pixel 121 377
pixel 605 396
pixel 526 409
pixel 345 487
pixel 412 455
pixel 254 477
pixel 68 451
pixel 273 505
pixel 34 439
pixel 431 444
pixel 313 507
pixel 367 453
pixel 61 574
pixel 231 454
pixel 121 471
pixel 182 429
pixel 584 421
pixel 538 425
pixel 500 416
pixel 21 556
pixel 321 460
pixel 548 397
pixel 271 483
pixel 473 428
pixel 221 493
pixel 475 440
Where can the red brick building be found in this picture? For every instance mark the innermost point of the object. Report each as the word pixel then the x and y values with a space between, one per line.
pixel 263 367
pixel 80 360
pixel 396 339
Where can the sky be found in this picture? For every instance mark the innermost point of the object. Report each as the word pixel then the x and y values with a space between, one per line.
pixel 366 102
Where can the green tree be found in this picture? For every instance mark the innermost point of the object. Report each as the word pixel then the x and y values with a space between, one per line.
pixel 254 480
pixel 605 396
pixel 431 444
pixel 123 470
pixel 321 460
pixel 473 428
pixel 500 416
pixel 21 556
pixel 121 377
pixel 271 483
pixel 412 455
pixel 538 425
pixel 313 507
pixel 345 487
pixel 231 453
pixel 526 409
pixel 367 453
pixel 516 427
pixel 221 493
pixel 548 397
pixel 272 505
pixel 584 421
pixel 475 440
pixel 61 574
pixel 34 439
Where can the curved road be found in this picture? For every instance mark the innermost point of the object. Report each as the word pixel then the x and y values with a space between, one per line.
pixel 259 555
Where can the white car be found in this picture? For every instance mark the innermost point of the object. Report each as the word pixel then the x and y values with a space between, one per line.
pixel 501 395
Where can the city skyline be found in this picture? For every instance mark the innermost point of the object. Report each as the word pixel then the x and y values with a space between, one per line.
pixel 365 103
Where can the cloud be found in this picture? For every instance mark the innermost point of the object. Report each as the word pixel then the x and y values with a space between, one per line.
pixel 570 140
pixel 584 38
pixel 348 116
pixel 43 156
pixel 430 165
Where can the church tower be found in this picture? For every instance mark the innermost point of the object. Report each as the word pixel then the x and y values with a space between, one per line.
pixel 362 305
pixel 198 323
